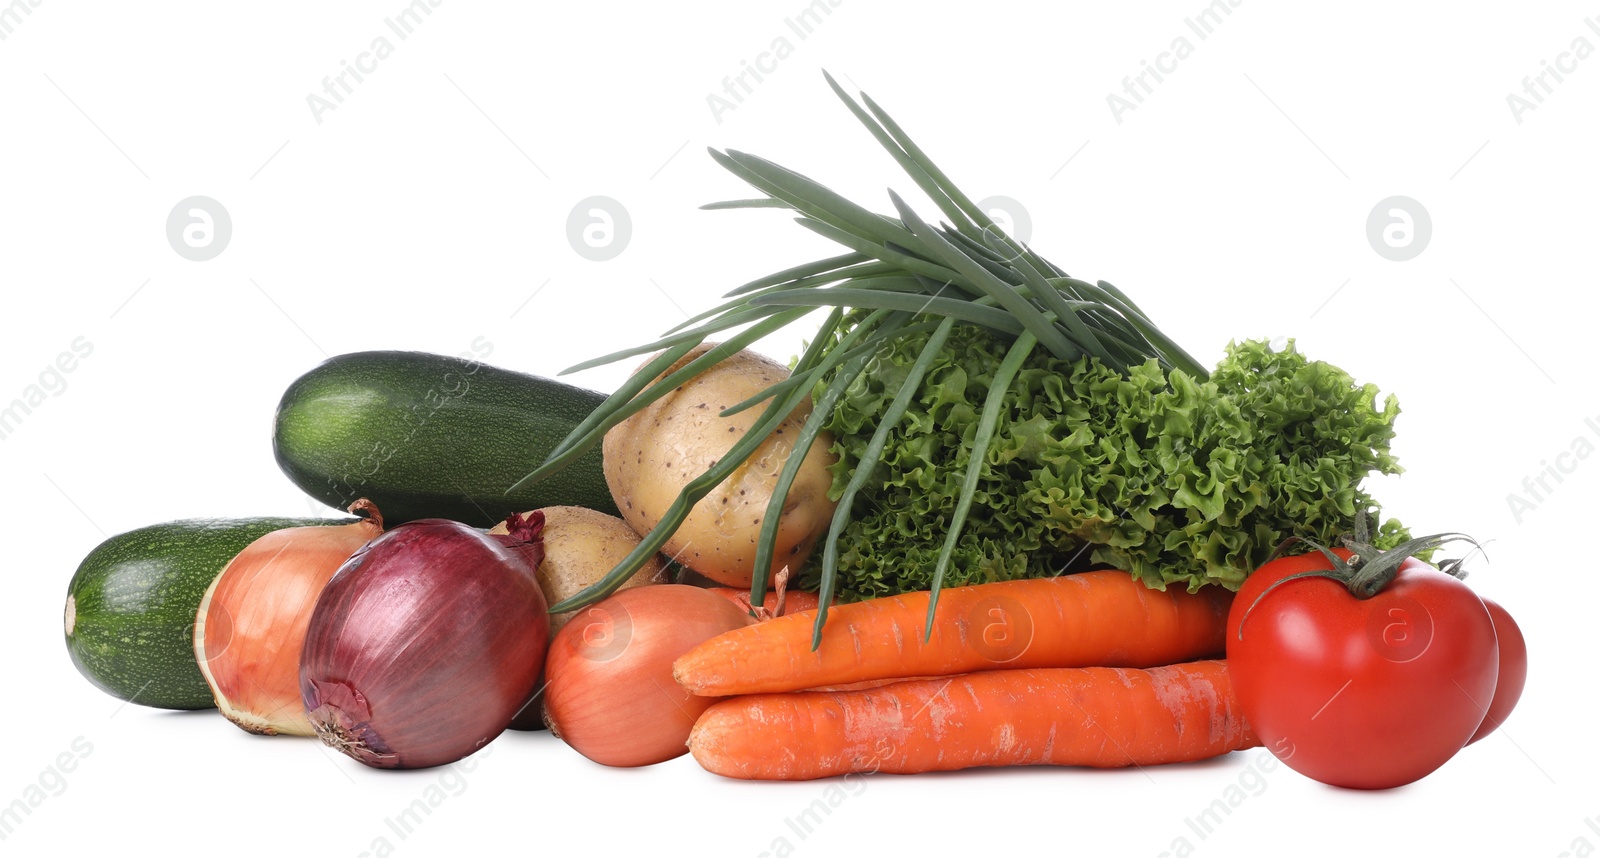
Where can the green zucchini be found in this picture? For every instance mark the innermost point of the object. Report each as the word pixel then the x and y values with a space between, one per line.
pixel 430 436
pixel 131 606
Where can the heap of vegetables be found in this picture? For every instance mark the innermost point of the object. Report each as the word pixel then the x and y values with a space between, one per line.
pixel 958 365
pixel 968 420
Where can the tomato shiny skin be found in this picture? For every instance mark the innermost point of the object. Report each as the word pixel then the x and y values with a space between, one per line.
pixel 1513 670
pixel 1361 693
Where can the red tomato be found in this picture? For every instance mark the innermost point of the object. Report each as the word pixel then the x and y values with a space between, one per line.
pixel 1361 693
pixel 1513 670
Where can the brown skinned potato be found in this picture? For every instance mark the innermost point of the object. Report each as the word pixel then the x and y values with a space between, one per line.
pixel 653 454
pixel 580 547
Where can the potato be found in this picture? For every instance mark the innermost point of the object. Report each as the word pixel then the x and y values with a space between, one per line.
pixel 652 455
pixel 580 547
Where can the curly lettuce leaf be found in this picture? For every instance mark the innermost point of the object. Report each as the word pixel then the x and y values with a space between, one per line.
pixel 1178 481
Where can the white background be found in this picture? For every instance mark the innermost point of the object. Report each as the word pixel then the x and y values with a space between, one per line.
pixel 430 208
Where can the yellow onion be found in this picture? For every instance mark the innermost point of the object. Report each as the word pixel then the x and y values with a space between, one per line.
pixel 610 692
pixel 426 643
pixel 252 620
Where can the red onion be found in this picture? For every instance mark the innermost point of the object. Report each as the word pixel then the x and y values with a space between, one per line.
pixel 426 643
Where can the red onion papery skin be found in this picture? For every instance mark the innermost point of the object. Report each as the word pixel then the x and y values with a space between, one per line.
pixel 426 642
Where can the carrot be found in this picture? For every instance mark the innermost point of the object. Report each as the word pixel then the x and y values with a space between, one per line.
pixel 1103 618
pixel 1104 717
pixel 872 683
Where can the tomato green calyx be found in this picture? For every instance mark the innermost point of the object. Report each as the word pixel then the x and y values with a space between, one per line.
pixel 1368 569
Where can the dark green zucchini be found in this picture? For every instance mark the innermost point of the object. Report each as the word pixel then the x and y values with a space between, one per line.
pixel 131 606
pixel 430 436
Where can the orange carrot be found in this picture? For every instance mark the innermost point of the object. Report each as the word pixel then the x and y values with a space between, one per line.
pixel 1104 717
pixel 872 683
pixel 1104 619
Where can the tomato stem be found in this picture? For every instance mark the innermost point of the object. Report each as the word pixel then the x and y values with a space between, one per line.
pixel 1367 570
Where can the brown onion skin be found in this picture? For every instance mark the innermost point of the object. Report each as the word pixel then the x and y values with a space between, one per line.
pixel 426 643
pixel 610 692
pixel 252 622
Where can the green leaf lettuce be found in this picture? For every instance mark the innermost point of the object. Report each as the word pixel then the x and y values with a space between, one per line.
pixel 1175 480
